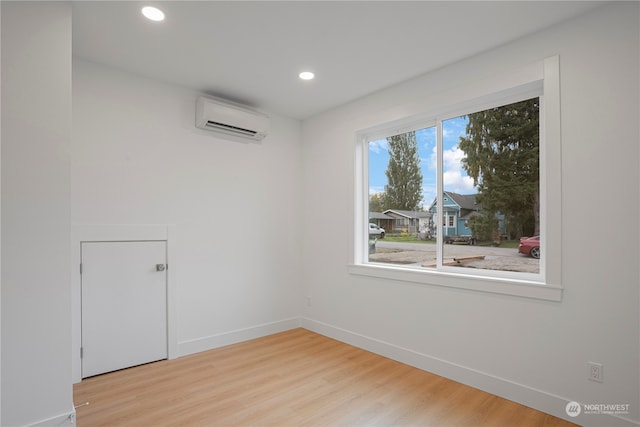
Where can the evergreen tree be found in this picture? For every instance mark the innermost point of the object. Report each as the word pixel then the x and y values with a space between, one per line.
pixel 404 177
pixel 502 157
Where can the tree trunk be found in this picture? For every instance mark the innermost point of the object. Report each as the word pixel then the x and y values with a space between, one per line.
pixel 536 212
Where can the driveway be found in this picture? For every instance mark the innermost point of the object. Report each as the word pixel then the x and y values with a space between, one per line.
pixel 484 257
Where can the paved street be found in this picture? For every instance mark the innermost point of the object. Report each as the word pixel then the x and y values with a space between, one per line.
pixel 424 255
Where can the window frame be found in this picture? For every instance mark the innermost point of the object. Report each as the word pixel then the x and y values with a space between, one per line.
pixel 540 79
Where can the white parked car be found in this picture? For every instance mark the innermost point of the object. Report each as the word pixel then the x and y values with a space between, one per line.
pixel 375 231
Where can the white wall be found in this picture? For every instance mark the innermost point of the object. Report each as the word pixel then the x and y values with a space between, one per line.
pixel 233 207
pixel 0 213
pixel 36 131
pixel 137 159
pixel 531 351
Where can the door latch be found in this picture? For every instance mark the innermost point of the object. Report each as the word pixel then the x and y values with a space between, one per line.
pixel 160 267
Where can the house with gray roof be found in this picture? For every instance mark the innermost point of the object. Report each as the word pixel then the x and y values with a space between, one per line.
pixel 382 220
pixel 457 210
pixel 411 222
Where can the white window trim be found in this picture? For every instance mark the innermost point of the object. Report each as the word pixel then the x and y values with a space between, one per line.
pixel 480 95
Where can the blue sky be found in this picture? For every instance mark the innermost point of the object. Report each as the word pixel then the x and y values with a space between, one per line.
pixel 455 178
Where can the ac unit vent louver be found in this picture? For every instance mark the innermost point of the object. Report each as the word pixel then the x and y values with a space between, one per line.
pixel 231 119
pixel 222 126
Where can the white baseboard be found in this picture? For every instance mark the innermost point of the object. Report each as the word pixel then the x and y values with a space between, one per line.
pixel 533 398
pixel 233 337
pixel 67 419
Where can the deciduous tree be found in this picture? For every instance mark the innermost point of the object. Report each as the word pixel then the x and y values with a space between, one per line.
pixel 404 177
pixel 376 202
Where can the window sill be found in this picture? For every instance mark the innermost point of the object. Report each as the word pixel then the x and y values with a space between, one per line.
pixel 504 286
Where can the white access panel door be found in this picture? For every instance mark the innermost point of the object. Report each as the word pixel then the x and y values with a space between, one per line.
pixel 124 305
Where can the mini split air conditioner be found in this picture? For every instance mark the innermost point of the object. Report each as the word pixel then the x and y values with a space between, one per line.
pixel 231 119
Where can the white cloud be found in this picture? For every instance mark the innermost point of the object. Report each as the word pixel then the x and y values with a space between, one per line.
pixel 452 158
pixel 378 145
pixel 454 181
pixel 428 195
pixel 432 158
pixel 454 177
pixel 375 190
pixel 454 128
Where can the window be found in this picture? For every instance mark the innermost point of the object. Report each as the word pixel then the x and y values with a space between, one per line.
pixel 483 166
pixel 487 162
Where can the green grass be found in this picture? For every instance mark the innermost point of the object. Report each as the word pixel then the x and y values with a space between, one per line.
pixel 410 238
pixel 510 244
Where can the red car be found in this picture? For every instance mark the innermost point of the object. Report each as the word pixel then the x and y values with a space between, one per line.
pixel 530 246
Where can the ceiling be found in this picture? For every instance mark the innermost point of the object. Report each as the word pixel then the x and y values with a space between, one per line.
pixel 252 52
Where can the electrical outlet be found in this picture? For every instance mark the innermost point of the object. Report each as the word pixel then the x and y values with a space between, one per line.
pixel 595 372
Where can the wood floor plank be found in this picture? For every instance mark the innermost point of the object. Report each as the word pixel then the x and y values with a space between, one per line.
pixel 295 378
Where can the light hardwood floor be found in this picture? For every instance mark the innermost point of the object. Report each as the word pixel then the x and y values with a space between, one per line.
pixel 294 378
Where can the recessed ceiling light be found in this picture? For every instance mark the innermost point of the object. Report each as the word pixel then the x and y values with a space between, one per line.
pixel 153 13
pixel 306 75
